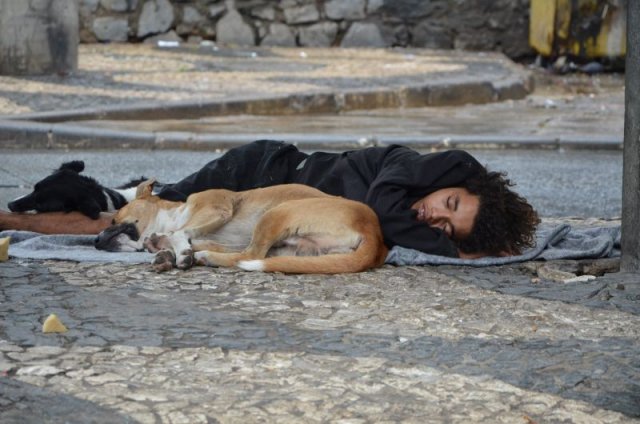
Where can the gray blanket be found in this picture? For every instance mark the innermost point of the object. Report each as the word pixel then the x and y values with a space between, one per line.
pixel 558 242
pixel 28 245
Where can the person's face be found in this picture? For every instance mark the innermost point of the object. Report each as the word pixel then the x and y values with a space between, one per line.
pixel 453 210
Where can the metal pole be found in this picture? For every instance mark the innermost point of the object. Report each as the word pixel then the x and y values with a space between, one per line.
pixel 630 261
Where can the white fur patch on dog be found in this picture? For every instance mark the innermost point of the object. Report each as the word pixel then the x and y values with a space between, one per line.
pixel 201 258
pixel 125 244
pixel 110 205
pixel 128 193
pixel 167 220
pixel 254 265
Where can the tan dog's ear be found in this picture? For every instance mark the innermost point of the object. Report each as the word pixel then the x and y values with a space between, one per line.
pixel 145 189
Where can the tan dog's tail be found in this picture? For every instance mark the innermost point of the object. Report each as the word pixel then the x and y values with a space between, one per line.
pixel 370 253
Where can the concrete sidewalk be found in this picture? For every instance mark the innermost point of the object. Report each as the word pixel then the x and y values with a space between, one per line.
pixel 146 82
pixel 142 83
pixel 202 98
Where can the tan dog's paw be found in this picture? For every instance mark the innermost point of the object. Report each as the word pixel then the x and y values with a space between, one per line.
pixel 164 260
pixel 155 243
pixel 202 259
pixel 185 259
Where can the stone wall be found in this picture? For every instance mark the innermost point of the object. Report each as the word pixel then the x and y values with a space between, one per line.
pixel 499 25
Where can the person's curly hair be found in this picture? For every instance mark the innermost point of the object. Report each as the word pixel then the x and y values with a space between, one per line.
pixel 505 223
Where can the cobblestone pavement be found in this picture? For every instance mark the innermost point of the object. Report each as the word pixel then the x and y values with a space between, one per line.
pixel 409 344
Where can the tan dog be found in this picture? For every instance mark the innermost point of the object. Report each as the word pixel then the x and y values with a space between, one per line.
pixel 288 228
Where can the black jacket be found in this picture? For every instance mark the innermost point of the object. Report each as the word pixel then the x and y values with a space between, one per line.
pixel 388 179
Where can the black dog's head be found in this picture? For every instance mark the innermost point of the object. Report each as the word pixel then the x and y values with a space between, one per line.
pixel 64 191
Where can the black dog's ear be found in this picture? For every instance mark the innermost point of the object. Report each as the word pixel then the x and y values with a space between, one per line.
pixel 74 165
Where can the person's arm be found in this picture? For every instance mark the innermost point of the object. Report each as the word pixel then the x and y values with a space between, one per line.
pixel 402 229
pixel 55 222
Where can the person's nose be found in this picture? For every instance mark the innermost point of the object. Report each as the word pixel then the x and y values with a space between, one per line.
pixel 438 215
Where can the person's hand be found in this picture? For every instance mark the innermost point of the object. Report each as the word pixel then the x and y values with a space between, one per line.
pixel 476 255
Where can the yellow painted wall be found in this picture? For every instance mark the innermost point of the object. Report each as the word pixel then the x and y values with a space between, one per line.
pixel 557 28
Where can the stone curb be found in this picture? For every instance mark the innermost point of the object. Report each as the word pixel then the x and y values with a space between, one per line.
pixel 38 135
pixel 438 94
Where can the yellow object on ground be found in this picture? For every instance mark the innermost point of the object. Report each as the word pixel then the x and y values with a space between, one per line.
pixel 4 248
pixel 53 325
pixel 583 28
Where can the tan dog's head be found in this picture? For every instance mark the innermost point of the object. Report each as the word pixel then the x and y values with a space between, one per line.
pixel 130 222
pixel 141 210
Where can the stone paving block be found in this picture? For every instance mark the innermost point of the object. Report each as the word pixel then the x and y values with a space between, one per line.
pixel 363 35
pixel 111 29
pixel 233 29
pixel 156 17
pixel 460 94
pixel 359 100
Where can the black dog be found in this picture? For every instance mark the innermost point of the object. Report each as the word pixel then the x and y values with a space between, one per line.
pixel 66 190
